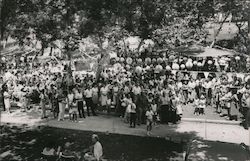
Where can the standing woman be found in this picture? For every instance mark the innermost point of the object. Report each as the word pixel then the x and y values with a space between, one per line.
pixel 104 96
pixel 70 99
pixel 7 97
pixel 115 92
pixel 42 103
pixel 95 96
pixel 79 100
pixel 62 103
pixel 191 90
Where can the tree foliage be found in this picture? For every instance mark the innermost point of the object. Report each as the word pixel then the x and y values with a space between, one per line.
pixel 169 23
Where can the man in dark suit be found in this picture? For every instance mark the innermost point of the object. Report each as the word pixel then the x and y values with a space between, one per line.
pixel 2 85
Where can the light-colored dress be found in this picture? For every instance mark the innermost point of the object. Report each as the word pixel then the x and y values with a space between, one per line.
pixel 192 94
pixel 104 95
pixel 115 94
pixel 6 100
pixel 95 97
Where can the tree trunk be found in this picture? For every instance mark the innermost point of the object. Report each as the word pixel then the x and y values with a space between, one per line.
pixel 51 49
pixel 221 25
pixel 248 25
pixel 140 44
pixel 42 50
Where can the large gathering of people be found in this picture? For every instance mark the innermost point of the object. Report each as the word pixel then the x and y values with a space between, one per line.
pixel 140 88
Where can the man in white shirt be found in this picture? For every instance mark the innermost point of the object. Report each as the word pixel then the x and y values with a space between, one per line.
pixel 96 150
pixel 136 90
pixel 88 93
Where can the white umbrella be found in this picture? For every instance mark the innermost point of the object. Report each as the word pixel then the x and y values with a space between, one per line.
pixel 133 42
pixel 87 44
pixel 214 53
pixel 8 76
pixel 146 44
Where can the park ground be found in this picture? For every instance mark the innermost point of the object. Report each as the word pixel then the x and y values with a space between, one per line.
pixel 208 127
pixel 174 138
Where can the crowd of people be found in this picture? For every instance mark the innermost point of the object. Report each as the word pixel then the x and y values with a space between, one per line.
pixel 136 88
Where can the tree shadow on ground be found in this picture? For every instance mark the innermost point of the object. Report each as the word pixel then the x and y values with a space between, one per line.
pixel 26 143
pixel 200 150
pixel 23 142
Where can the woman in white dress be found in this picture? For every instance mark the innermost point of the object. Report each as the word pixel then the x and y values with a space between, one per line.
pixel 95 95
pixel 104 95
pixel 6 96
pixel 191 87
pixel 115 91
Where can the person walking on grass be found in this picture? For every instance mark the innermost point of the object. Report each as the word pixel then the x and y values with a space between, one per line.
pixel 149 116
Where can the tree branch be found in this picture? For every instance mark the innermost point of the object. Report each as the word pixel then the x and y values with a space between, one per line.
pixel 221 25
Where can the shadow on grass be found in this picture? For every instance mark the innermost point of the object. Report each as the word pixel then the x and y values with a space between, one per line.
pixel 200 150
pixel 26 143
pixel 22 142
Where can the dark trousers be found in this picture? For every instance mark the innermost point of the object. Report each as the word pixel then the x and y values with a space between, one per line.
pixel 80 109
pixel 209 96
pixel 74 117
pixel 139 116
pixel 132 119
pixel 185 94
pixel 55 107
pixel 247 118
pixel 172 116
pixel 2 102
pixel 90 105
pixel 165 114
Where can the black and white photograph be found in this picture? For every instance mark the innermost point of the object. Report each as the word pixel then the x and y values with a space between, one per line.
pixel 124 80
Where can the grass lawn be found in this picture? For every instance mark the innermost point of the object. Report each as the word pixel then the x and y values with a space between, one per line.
pixel 25 143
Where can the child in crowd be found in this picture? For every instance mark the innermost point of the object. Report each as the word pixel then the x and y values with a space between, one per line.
pixel 196 106
pixel 218 96
pixel 73 110
pixel 109 104
pixel 132 114
pixel 127 101
pixel 202 105
pixel 149 116
pixel 179 110
pixel 154 109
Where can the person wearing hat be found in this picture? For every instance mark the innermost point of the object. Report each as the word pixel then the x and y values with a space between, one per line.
pixel 95 151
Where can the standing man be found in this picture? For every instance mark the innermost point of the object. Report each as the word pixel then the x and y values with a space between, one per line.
pixel 95 152
pixel 1 94
pixel 88 93
pixel 62 103
pixel 246 98
pixel 136 90
pixel 142 105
